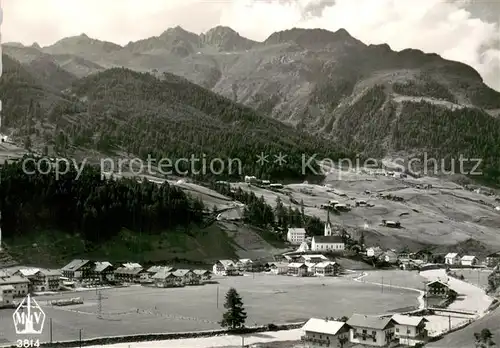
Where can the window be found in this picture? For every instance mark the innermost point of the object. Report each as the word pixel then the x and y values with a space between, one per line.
pixel 408 331
pixel 397 329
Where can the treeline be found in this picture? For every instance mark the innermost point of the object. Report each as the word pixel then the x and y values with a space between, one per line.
pixel 280 217
pixel 96 208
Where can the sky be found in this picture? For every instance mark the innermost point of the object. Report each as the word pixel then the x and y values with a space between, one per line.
pixel 462 30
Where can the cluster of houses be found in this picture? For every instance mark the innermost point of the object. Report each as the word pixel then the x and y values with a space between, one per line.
pixel 87 271
pixel 365 330
pixel 298 265
pixel 22 281
pixel 331 241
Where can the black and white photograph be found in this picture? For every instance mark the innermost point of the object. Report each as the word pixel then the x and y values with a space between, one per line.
pixel 249 173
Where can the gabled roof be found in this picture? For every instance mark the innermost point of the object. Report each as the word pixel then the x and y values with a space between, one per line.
pixel 163 274
pixel 436 282
pixel 201 271
pixel 369 321
pixel 7 288
pixel 132 265
pixel 328 239
pixel 296 265
pixel 156 269
pixel 28 272
pixel 13 280
pixel 126 270
pixel 408 320
pixel 181 272
pixel 51 272
pixel 245 261
pixel 329 327
pixel 314 256
pixel 101 266
pixel 468 258
pixel 297 230
pixel 226 263
pixel 325 264
pixel 75 265
pixel 451 255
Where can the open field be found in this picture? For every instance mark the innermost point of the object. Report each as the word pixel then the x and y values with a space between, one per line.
pixel 478 277
pixel 442 215
pixel 267 299
pixel 407 279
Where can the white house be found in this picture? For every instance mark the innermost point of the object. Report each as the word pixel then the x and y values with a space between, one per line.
pixel 6 296
pixel 224 267
pixel 371 330
pixel 279 268
pixel 469 260
pixel 326 269
pixel 19 283
pixel 452 259
pixel 327 333
pixel 296 236
pixel 250 179
pixel 327 243
pixel 410 330
pixel 374 251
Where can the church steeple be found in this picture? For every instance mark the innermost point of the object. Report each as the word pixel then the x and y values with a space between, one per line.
pixel 328 225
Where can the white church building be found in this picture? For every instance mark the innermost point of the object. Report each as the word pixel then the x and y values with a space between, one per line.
pixel 329 242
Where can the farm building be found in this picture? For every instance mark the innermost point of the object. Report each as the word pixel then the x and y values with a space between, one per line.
pixel 371 330
pixel 279 268
pixel 452 259
pixel 493 259
pixel 327 333
pixel 469 260
pixel 437 289
pixel 297 269
pixel 374 251
pixel 225 267
pixel 326 269
pixel 410 330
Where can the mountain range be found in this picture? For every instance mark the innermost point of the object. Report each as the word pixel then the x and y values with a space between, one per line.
pixel 354 97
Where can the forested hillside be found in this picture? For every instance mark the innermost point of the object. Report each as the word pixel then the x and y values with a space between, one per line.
pixel 120 110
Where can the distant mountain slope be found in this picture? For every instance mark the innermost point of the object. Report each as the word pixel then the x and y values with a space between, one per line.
pixel 123 110
pixel 366 98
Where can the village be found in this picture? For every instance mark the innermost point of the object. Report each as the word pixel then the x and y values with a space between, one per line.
pixel 314 257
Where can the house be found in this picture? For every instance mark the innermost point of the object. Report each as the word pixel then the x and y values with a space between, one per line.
pixel 410 330
pixel 374 251
pixel 250 179
pixel 314 258
pixel 104 271
pixel 469 260
pixel 371 330
pixel 41 279
pixel 328 243
pixel 297 269
pixel 203 274
pixel 452 259
pixel 151 271
pixel 279 268
pixel 166 279
pixel 187 276
pixel 78 269
pixel 296 236
pixel 326 269
pixel 19 283
pixel 224 267
pixel 244 265
pixel 304 247
pixel 493 259
pixel 130 275
pixel 326 333
pixel 132 265
pixel 6 296
pixel 391 224
pixel 437 288
pixel 389 256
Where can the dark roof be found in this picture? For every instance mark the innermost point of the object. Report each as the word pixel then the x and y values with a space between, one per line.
pixel 369 321
pixel 497 254
pixel 328 239
pixel 75 265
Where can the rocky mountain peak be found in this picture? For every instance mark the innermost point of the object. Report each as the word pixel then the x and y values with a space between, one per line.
pixel 226 39
pixel 308 37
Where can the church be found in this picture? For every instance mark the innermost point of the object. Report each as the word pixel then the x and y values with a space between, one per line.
pixel 329 242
